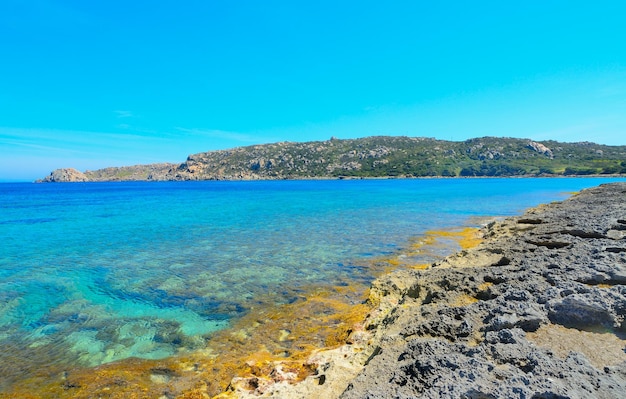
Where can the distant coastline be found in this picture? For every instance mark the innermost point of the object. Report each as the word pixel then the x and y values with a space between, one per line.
pixel 374 157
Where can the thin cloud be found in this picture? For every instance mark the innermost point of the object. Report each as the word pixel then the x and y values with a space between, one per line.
pixel 220 134
pixel 38 147
pixel 124 114
pixel 96 144
pixel 68 135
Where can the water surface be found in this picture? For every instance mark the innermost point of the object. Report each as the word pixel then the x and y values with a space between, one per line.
pixel 96 272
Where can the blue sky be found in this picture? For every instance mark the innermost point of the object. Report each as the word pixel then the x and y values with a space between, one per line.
pixel 93 84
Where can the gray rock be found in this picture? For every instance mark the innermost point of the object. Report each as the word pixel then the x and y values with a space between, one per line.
pixel 66 175
pixel 461 332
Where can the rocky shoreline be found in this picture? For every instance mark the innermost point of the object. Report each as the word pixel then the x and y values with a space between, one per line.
pixel 536 310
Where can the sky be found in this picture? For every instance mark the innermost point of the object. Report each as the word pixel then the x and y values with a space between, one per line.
pixel 88 84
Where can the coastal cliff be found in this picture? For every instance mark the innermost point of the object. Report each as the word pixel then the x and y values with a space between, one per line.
pixel 380 156
pixel 536 310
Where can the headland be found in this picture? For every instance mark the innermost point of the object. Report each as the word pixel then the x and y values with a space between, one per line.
pixel 374 157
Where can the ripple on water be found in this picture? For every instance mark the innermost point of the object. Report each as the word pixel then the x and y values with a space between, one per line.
pixel 99 273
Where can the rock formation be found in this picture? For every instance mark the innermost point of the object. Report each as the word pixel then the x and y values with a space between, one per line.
pixel 537 310
pixel 68 175
pixel 151 172
pixel 540 148
pixel 476 324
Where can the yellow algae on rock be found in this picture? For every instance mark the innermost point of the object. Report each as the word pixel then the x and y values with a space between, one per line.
pixel 284 335
pixel 270 346
pixel 433 245
pixel 602 349
pixel 462 300
pixel 421 266
pixel 467 238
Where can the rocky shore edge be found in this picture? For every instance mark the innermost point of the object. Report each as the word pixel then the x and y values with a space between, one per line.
pixel 536 310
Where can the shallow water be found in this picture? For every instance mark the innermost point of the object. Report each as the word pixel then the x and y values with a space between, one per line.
pixel 97 272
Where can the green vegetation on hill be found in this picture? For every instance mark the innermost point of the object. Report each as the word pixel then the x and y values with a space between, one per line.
pixel 384 156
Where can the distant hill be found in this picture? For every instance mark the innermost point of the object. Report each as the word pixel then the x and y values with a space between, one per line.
pixel 379 156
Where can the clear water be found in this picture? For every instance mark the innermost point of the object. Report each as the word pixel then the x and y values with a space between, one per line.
pixel 99 272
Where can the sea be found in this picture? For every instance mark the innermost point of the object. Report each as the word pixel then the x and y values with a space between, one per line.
pixel 92 273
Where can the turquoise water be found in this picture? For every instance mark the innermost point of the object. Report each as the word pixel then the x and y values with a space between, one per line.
pixel 96 272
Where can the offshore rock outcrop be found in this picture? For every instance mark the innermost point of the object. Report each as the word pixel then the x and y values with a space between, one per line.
pixel 478 324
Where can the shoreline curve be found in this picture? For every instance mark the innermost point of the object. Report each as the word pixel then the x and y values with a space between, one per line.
pixel 537 309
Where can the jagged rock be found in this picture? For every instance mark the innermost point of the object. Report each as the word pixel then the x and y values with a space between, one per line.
pixel 439 346
pixel 482 324
pixel 65 175
pixel 500 367
pixel 540 148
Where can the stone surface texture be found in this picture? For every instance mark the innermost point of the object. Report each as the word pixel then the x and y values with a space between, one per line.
pixel 560 264
pixel 537 310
